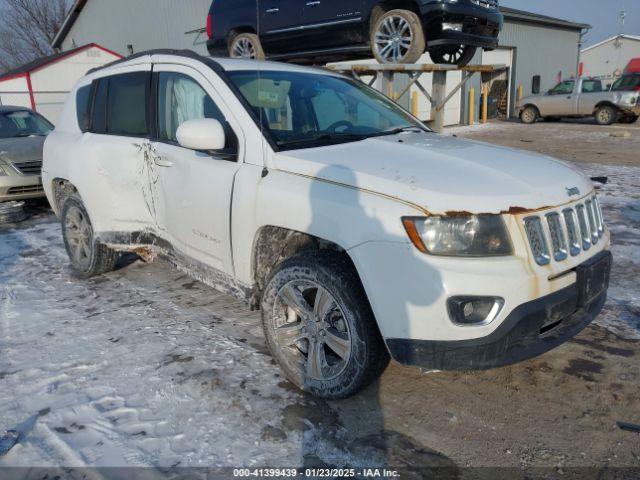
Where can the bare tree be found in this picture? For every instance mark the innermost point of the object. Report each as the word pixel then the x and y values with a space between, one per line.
pixel 27 29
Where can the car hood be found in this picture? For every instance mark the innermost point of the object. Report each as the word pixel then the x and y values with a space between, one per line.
pixel 23 149
pixel 442 174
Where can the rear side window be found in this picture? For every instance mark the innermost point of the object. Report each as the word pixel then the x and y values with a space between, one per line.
pixel 83 97
pixel 591 86
pixel 127 104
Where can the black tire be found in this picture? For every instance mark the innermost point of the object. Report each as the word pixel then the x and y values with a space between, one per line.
pixel 367 357
pixel 411 43
pixel 96 258
pixel 529 115
pixel 247 46
pixel 606 115
pixel 459 55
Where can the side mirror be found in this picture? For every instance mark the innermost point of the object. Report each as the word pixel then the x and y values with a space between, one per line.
pixel 203 134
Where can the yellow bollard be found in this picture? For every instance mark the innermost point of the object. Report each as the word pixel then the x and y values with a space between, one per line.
pixel 520 92
pixel 414 104
pixel 485 104
pixel 472 105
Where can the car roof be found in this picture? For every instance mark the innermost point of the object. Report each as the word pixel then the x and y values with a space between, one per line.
pixel 225 64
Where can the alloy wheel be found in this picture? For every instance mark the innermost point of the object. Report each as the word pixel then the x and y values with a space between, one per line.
pixel 393 39
pixel 310 330
pixel 79 236
pixel 528 116
pixel 244 48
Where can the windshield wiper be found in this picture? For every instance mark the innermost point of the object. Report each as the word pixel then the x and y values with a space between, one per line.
pixel 24 135
pixel 325 137
pixel 395 131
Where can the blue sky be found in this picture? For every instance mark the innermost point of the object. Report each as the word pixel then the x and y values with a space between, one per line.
pixel 602 14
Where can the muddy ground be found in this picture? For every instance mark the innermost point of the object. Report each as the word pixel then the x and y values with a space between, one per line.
pixel 144 366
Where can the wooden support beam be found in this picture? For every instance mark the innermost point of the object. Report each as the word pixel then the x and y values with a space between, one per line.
pixel 438 93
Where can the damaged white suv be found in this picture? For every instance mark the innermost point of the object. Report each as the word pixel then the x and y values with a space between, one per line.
pixel 360 234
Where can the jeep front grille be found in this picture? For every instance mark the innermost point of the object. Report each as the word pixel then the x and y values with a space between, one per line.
pixel 569 232
pixel 535 233
pixel 29 168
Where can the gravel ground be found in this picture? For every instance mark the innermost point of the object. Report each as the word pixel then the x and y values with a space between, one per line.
pixel 144 366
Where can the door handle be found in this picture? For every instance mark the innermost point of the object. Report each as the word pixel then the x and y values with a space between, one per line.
pixel 273 10
pixel 162 162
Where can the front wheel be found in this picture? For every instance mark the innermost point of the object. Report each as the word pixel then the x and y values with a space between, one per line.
pixel 320 328
pixel 459 55
pixel 529 115
pixel 397 36
pixel 246 46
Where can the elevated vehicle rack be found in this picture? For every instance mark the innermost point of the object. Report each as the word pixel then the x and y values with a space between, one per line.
pixel 388 76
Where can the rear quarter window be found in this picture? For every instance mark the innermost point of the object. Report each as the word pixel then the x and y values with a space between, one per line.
pixel 99 115
pixel 83 106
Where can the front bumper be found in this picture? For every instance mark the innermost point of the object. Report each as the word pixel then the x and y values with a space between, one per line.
pixel 20 187
pixel 531 329
pixel 481 26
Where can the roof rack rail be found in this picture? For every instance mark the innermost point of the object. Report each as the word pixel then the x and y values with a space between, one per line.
pixel 160 51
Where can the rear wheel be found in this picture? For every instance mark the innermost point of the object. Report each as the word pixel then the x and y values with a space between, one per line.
pixel 397 37
pixel 459 55
pixel 529 115
pixel 88 256
pixel 246 46
pixel 320 328
pixel 606 115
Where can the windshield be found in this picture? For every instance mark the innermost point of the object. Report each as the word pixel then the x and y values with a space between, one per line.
pixel 627 83
pixel 302 110
pixel 23 123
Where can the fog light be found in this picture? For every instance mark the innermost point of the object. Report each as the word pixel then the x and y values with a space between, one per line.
pixel 474 310
pixel 457 27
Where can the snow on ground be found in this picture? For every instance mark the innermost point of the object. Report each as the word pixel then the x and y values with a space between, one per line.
pixel 620 200
pixel 129 370
pixel 146 367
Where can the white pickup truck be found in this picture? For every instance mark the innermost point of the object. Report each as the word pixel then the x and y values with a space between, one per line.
pixel 582 97
pixel 360 234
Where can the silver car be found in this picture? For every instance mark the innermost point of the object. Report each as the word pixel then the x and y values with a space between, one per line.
pixel 581 97
pixel 22 135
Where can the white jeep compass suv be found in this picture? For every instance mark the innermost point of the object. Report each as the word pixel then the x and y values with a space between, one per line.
pixel 359 233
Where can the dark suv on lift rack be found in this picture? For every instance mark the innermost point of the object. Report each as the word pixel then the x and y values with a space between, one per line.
pixel 316 31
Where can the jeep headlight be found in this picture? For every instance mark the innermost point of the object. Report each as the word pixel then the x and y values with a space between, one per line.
pixel 459 236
